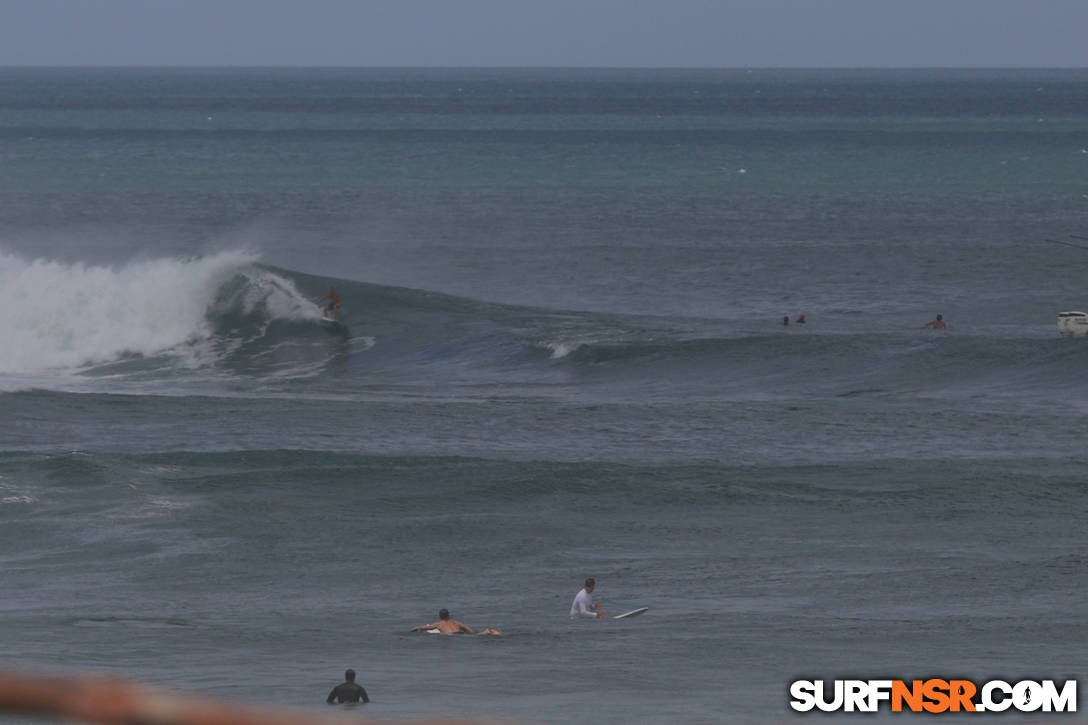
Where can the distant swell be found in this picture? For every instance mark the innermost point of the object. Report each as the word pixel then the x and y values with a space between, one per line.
pixel 225 318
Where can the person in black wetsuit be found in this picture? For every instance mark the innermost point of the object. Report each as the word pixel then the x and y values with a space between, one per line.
pixel 347 691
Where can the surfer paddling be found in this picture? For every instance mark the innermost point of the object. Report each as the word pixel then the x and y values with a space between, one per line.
pixel 334 303
pixel 583 606
pixel 445 625
pixel 937 324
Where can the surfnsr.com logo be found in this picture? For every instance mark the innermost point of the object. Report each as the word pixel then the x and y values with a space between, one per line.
pixel 933 696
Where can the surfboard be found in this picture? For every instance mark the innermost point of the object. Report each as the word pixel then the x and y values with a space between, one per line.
pixel 632 613
pixel 333 326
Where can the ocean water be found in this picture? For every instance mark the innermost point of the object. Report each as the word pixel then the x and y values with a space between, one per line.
pixel 559 356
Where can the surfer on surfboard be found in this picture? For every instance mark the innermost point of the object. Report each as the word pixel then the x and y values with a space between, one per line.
pixel 445 625
pixel 583 606
pixel 332 308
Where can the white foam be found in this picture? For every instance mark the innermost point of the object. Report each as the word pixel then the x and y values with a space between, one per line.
pixel 56 316
pixel 560 349
pixel 9 494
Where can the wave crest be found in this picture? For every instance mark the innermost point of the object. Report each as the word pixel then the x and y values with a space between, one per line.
pixel 57 316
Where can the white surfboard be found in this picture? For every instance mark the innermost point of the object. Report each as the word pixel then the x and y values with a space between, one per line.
pixel 331 325
pixel 632 613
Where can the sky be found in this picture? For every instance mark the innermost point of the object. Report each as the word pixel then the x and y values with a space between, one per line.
pixel 547 33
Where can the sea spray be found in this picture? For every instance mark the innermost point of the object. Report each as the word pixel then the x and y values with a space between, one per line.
pixel 57 316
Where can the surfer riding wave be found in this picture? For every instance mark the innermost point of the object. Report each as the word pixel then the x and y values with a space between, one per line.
pixel 333 303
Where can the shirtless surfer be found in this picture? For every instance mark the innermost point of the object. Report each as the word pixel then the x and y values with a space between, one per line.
pixel 332 309
pixel 937 324
pixel 445 625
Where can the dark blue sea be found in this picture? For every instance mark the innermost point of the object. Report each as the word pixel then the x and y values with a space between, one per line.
pixel 560 355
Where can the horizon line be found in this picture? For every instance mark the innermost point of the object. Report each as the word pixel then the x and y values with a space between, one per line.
pixel 746 68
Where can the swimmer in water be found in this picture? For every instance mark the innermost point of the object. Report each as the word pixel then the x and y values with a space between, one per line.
pixel 347 691
pixel 937 324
